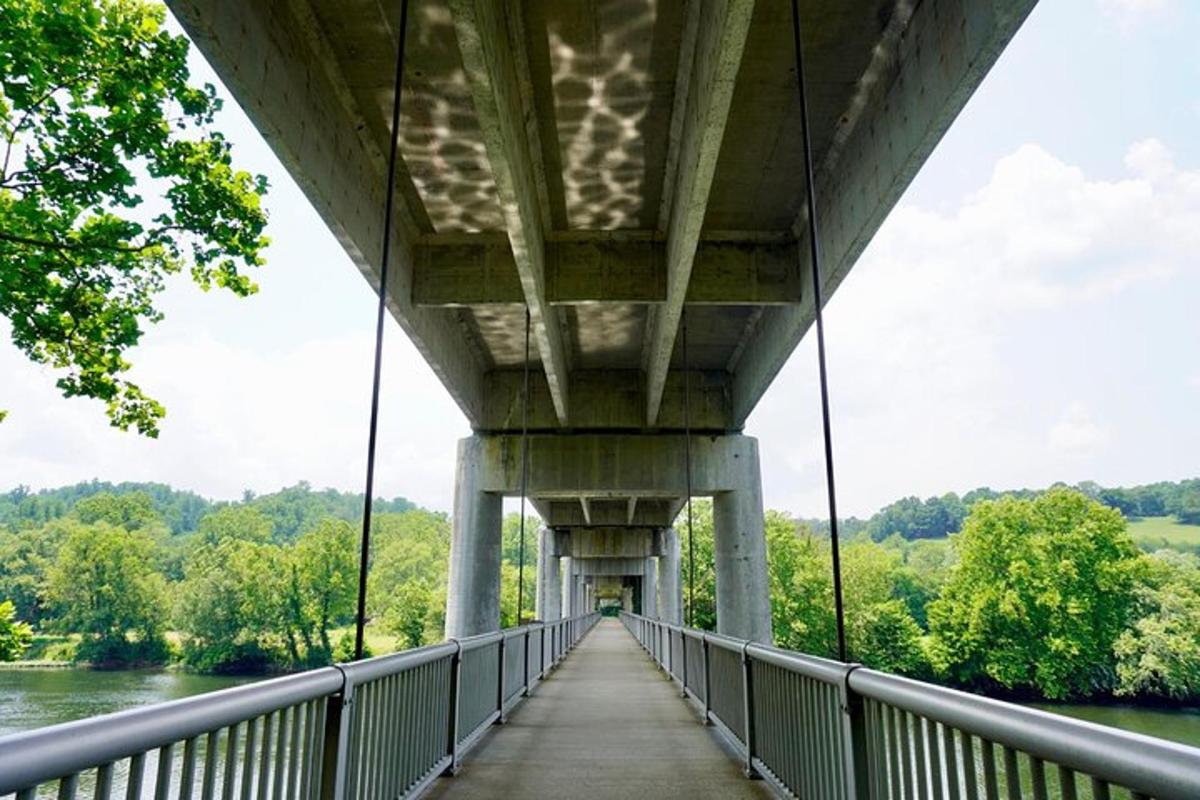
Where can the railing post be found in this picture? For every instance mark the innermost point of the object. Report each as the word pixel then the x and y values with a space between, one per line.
pixel 527 640
pixel 683 648
pixel 748 713
pixel 854 736
pixel 455 696
pixel 500 682
pixel 707 682
pixel 336 750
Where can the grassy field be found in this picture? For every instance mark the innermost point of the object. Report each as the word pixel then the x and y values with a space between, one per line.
pixel 1156 532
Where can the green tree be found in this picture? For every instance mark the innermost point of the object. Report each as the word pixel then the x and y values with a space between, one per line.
pixel 134 511
pixel 15 636
pixel 1041 593
pixel 801 588
pixel 406 587
pixel 1160 652
pixel 229 606
pixel 95 111
pixel 105 587
pixel 698 541
pixel 322 586
pixel 26 557
pixel 234 522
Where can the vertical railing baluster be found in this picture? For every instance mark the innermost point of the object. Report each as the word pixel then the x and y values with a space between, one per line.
pixel 455 699
pixel 951 752
pixel 247 787
pixel 67 786
pixel 162 778
pixel 333 734
pixel 229 785
pixel 1100 790
pixel 187 771
pixel 991 783
pixel 1037 775
pixel 264 760
pixel 280 755
pixel 1012 774
pixel 1066 783
pixel 104 782
pixel 137 770
pixel 211 753
pixel 969 775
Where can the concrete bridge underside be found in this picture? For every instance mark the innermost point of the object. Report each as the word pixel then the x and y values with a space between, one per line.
pixel 616 168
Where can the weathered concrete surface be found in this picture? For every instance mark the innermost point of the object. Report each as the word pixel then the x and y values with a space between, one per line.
pixel 605 724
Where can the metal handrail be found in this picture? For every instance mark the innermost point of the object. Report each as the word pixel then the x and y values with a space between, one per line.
pixel 820 728
pixel 317 735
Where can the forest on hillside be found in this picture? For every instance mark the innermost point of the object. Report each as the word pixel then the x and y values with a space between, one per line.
pixel 1039 594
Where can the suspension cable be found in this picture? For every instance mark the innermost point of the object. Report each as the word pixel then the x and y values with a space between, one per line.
pixel 815 258
pixel 524 472
pixel 687 455
pixel 360 619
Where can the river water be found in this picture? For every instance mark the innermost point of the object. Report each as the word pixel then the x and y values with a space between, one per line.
pixel 31 698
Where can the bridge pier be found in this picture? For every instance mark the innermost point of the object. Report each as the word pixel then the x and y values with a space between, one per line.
pixel 650 588
pixel 549 585
pixel 609 501
pixel 670 599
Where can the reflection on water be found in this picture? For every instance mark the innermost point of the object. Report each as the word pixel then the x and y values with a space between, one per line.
pixel 1180 724
pixel 32 698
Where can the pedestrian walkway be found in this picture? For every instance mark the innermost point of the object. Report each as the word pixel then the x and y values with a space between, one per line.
pixel 606 724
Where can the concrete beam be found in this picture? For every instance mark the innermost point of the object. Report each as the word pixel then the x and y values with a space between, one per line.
pixel 607 542
pixel 587 510
pixel 649 513
pixel 482 271
pixel 491 40
pixel 272 58
pixel 922 75
pixel 721 30
pixel 608 400
pixel 614 465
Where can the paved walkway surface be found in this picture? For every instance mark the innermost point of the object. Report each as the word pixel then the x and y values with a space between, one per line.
pixel 606 724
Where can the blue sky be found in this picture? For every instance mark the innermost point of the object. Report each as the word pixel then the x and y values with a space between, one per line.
pixel 1029 313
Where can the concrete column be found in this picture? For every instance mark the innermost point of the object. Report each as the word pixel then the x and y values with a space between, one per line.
pixel 549 586
pixel 473 588
pixel 627 599
pixel 650 589
pixel 589 597
pixel 568 586
pixel 670 587
pixel 740 556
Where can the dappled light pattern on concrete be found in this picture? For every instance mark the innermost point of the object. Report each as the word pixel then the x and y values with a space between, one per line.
pixel 605 724
pixel 613 71
pixel 441 139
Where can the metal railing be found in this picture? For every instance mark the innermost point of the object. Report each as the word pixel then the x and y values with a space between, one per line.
pixel 817 728
pixel 376 729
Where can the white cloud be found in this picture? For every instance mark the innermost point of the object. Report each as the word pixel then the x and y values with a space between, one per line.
pixel 1077 432
pixel 240 418
pixel 949 358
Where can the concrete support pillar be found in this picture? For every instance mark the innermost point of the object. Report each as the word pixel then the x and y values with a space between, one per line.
pixel 650 589
pixel 568 587
pixel 549 586
pixel 627 599
pixel 473 588
pixel 670 587
pixel 589 597
pixel 740 556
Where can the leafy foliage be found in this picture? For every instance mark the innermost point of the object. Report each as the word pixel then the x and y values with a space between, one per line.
pixel 15 636
pixel 104 585
pixel 96 111
pixel 1042 591
pixel 1159 654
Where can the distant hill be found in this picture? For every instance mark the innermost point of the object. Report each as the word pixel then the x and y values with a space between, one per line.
pixel 1171 512
pixel 292 510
